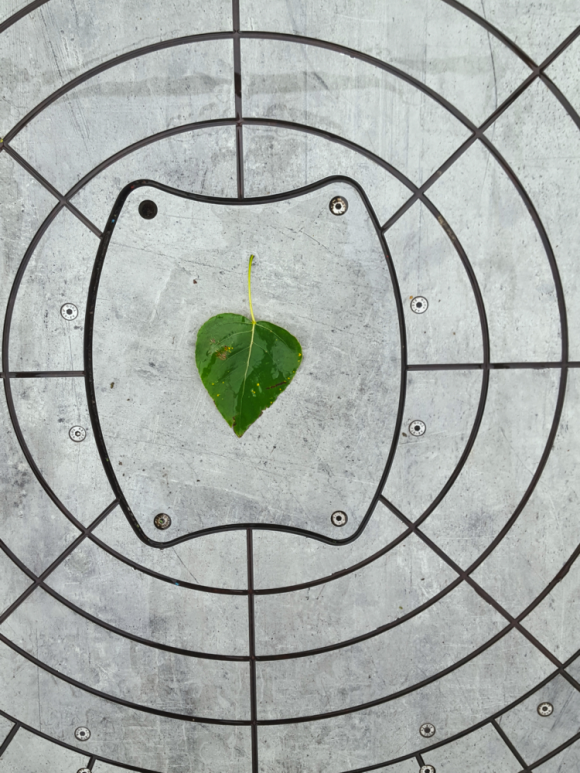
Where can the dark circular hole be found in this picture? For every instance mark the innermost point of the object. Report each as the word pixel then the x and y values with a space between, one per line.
pixel 69 311
pixel 148 209
pixel 419 304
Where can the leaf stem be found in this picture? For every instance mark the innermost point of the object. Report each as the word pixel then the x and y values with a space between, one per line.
pixel 250 289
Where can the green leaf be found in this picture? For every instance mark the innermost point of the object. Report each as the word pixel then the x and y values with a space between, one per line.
pixel 244 364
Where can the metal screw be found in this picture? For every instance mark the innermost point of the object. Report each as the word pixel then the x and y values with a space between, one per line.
pixel 148 209
pixel 545 709
pixel 419 304
pixel 162 521
pixel 82 733
pixel 339 518
pixel 424 769
pixel 69 311
pixel 427 730
pixel 78 434
pixel 417 428
pixel 338 205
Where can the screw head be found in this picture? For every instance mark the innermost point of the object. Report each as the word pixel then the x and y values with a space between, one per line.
pixel 419 304
pixel 148 209
pixel 417 428
pixel 162 521
pixel 338 205
pixel 545 709
pixel 69 311
pixel 339 518
pixel 427 730
pixel 427 769
pixel 78 434
pixel 82 733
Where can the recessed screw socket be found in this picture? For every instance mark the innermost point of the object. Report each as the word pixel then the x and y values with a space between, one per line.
pixel 148 209
pixel 162 521
pixel 78 434
pixel 339 518
pixel 82 733
pixel 427 730
pixel 545 709
pixel 338 205
pixel 419 304
pixel 69 311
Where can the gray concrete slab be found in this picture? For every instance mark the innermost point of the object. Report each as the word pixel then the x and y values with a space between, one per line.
pixel 137 98
pixel 538 33
pixel 534 735
pixel 425 38
pixel 59 272
pixel 88 34
pixel 483 750
pixel 126 735
pixel 47 410
pixel 32 526
pixel 491 221
pixel 19 222
pixel 423 464
pixel 125 669
pixel 388 588
pixel 565 762
pixel 350 98
pixel 391 730
pixel 540 141
pixel 513 434
pixel 29 753
pixel 517 571
pixel 282 559
pixel 426 645
pixel 202 161
pixel 278 160
pixel 150 608
pixel 428 265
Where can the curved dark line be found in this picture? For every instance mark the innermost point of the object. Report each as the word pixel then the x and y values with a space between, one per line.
pixel 113 698
pixel 21 14
pixel 88 358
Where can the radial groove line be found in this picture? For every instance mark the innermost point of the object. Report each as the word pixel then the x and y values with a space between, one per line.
pixel 9 738
pixel 508 743
pixel 51 189
pixel 21 14
pixel 238 97
pixel 50 569
pixel 252 650
pixel 514 621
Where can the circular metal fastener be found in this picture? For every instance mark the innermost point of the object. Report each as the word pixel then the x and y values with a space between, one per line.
pixel 148 209
pixel 338 205
pixel 162 521
pixel 339 518
pixel 84 770
pixel 427 769
pixel 82 733
pixel 419 304
pixel 78 434
pixel 69 311
pixel 545 709
pixel 417 428
pixel 427 730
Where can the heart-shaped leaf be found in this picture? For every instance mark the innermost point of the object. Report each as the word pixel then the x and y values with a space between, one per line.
pixel 244 364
